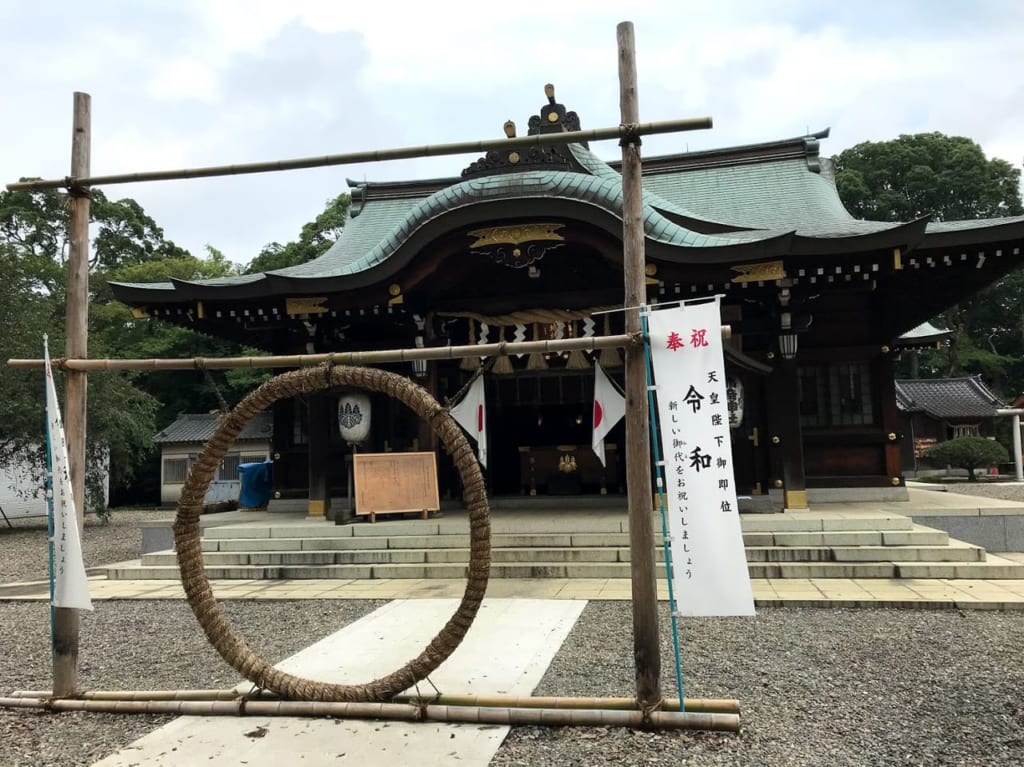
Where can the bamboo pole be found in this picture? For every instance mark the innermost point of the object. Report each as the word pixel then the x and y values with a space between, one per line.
pixel 377 155
pixel 646 651
pixel 666 720
pixel 339 358
pixel 593 343
pixel 694 705
pixel 65 619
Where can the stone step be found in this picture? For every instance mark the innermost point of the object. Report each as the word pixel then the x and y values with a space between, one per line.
pixel 955 552
pixel 1000 569
pixel 801 522
pixel 993 568
pixel 550 524
pixel 917 536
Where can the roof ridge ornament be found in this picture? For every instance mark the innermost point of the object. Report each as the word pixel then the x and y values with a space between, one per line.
pixel 552 118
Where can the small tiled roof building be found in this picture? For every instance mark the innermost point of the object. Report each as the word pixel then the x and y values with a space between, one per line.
pixel 181 442
pixel 937 409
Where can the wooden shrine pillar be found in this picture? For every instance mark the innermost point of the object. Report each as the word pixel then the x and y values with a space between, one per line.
pixel 321 421
pixel 785 434
pixel 883 372
pixel 425 433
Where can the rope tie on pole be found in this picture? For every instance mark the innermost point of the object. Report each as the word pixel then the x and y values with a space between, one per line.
pixel 630 134
pixel 222 403
pixel 75 188
pixel 648 710
pixel 329 369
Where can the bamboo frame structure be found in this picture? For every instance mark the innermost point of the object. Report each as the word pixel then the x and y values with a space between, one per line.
pixel 693 705
pixel 662 720
pixel 591 343
pixel 376 155
pixel 186 528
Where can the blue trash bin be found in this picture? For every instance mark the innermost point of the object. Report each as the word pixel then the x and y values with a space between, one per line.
pixel 257 482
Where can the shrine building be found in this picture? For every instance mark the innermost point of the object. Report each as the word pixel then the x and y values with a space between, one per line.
pixel 528 245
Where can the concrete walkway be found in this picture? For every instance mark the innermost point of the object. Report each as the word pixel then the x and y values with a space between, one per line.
pixel 933 593
pixel 507 651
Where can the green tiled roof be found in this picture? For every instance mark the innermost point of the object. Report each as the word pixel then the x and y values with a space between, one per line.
pixel 701 201
pixel 400 219
pixel 781 194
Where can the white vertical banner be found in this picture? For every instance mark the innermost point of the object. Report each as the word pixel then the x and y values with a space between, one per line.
pixel 71 585
pixel 709 564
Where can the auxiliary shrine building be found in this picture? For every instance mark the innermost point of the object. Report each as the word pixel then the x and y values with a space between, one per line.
pixel 528 245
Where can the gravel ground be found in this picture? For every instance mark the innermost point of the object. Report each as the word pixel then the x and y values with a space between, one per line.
pixel 23 550
pixel 817 687
pixel 1005 491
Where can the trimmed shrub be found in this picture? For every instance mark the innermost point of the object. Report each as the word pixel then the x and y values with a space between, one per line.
pixel 968 453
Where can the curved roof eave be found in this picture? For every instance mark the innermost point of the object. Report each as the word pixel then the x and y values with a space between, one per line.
pixel 137 294
pixel 944 234
pixel 908 236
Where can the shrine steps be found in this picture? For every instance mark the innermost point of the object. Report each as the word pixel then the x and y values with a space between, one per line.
pixel 557 544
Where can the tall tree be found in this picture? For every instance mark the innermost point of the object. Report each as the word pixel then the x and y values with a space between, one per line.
pixel 314 240
pixel 122 334
pixel 926 174
pixel 33 251
pixel 947 178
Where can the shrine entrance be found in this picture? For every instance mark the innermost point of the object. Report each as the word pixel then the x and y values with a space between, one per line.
pixel 540 439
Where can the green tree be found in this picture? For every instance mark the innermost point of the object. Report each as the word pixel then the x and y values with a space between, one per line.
pixel 947 178
pixel 123 334
pixel 926 174
pixel 33 252
pixel 970 453
pixel 315 239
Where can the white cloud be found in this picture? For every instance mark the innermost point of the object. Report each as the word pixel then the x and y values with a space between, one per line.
pixel 181 84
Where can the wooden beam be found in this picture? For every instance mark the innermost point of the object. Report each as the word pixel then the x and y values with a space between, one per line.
pixel 65 620
pixel 646 651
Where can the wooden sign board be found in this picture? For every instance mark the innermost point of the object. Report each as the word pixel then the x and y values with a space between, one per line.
pixel 395 483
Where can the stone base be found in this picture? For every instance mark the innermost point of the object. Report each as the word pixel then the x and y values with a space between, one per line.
pixel 861 494
pixel 994 532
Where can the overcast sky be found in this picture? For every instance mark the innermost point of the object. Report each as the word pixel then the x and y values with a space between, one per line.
pixel 185 83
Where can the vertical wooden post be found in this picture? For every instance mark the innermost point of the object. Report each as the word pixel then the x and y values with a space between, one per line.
pixel 321 420
pixel 646 650
pixel 785 433
pixel 65 620
pixel 883 370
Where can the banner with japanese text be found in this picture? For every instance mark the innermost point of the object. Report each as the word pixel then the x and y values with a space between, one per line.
pixel 709 564
pixel 70 582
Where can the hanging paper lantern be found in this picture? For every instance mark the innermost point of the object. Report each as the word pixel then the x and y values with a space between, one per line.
pixel 354 417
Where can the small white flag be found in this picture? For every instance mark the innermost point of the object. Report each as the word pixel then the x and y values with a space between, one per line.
pixel 71 585
pixel 609 408
pixel 471 415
